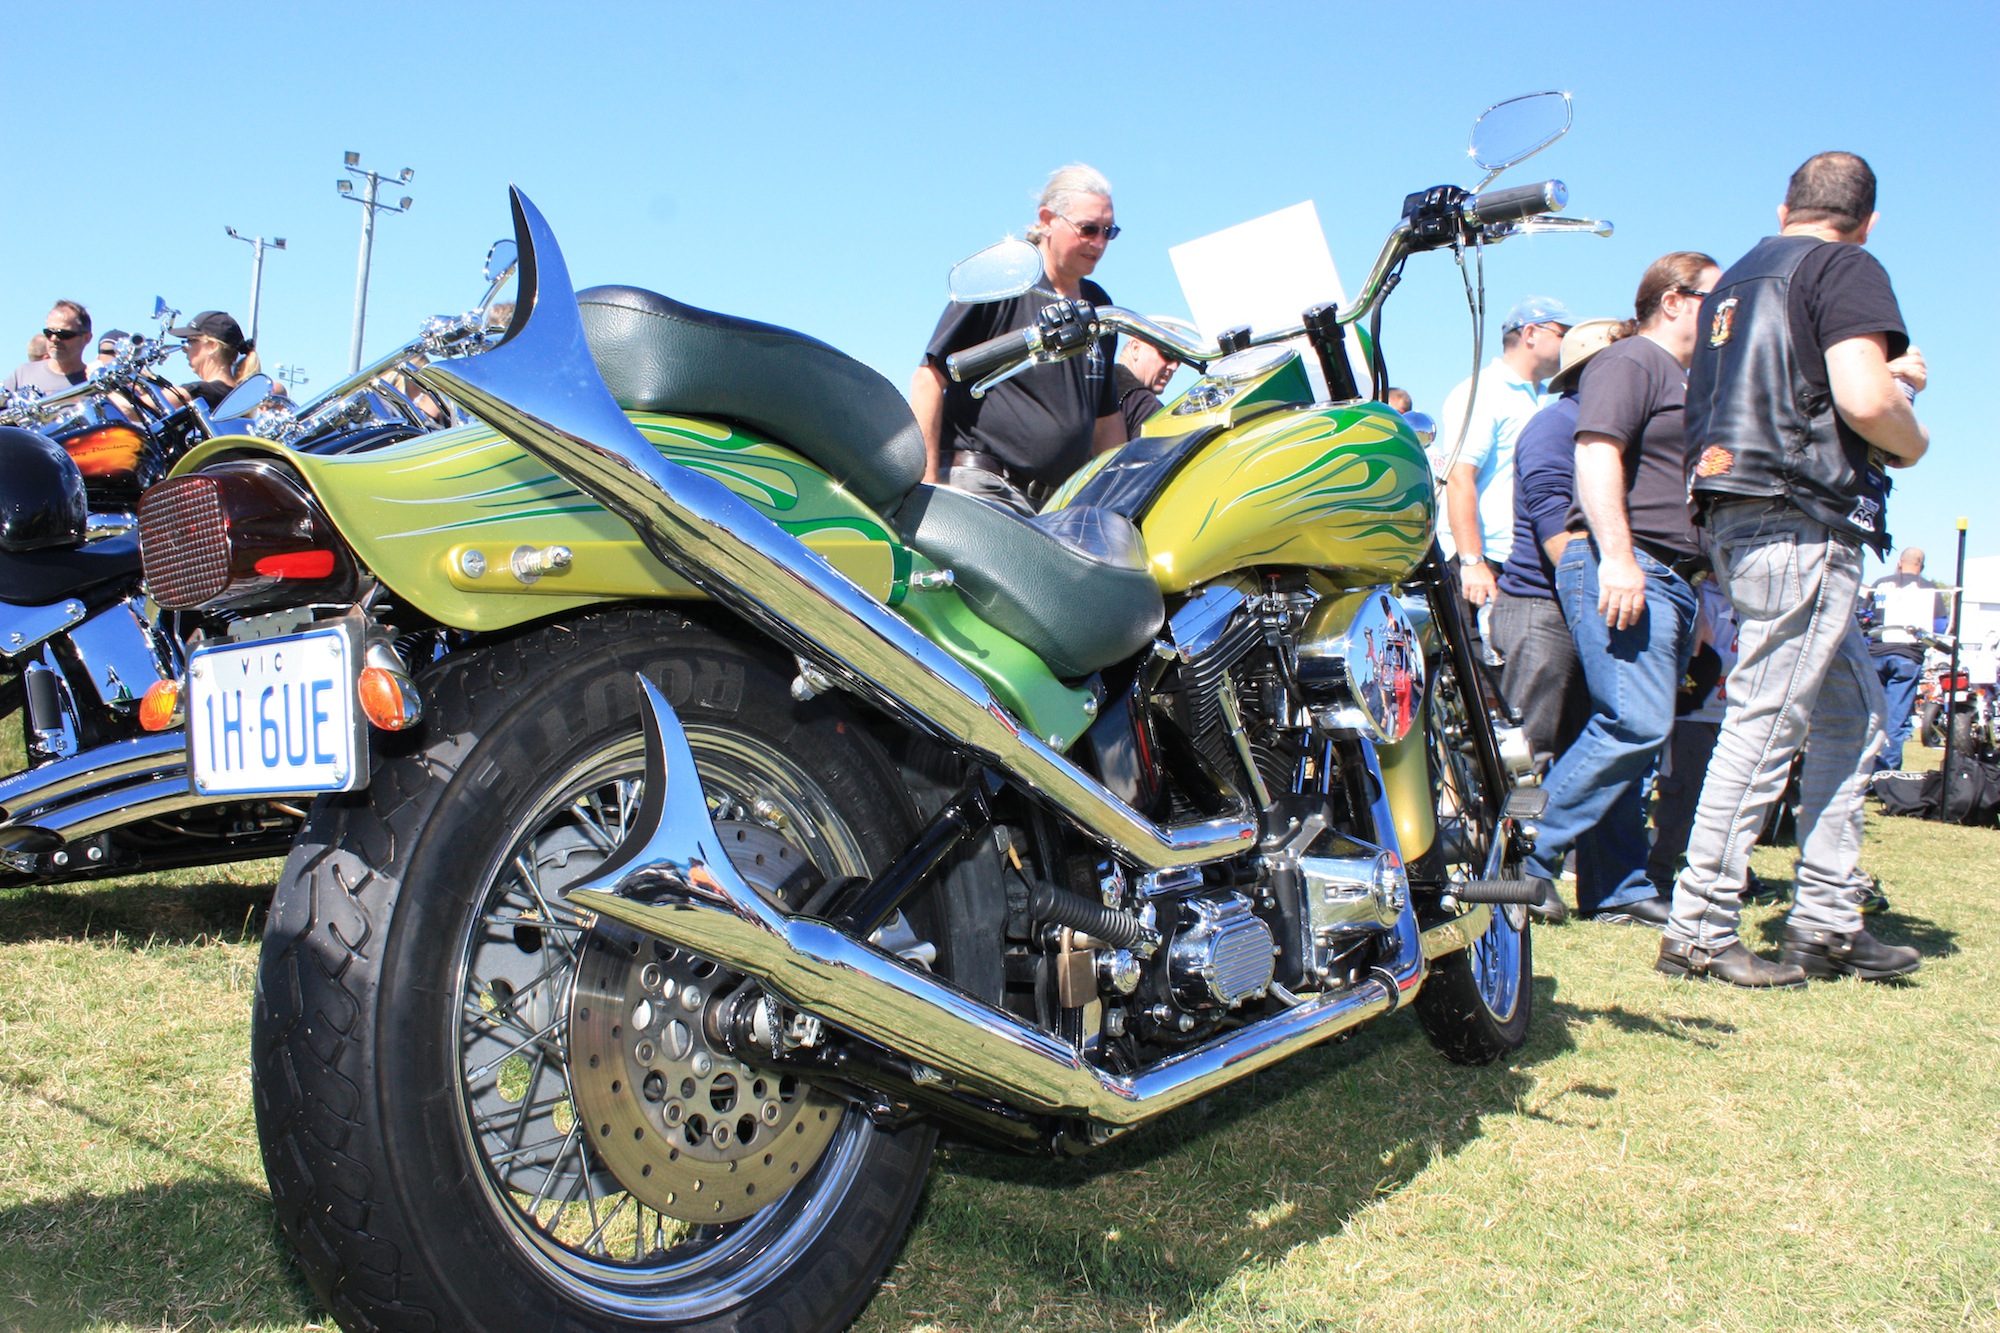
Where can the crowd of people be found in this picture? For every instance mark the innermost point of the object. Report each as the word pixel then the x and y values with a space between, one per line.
pixel 1658 524
pixel 218 354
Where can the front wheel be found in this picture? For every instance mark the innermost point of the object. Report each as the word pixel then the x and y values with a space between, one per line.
pixel 1476 1003
pixel 478 1111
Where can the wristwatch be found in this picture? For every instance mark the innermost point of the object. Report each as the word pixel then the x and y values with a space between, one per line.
pixel 1471 561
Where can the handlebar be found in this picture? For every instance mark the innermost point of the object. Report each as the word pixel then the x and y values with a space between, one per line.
pixel 1515 203
pixel 977 362
pixel 1465 215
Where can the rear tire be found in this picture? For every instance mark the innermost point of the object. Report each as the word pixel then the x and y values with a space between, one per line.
pixel 1476 1003
pixel 408 974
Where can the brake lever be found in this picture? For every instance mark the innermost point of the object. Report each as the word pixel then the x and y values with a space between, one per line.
pixel 999 377
pixel 1543 224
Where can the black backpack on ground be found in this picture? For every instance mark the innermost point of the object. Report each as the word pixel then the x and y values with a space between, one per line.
pixel 1974 797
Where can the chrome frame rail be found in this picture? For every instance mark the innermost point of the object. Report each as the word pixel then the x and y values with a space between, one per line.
pixel 541 389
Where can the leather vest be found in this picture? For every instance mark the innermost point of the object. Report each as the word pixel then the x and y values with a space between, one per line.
pixel 1755 427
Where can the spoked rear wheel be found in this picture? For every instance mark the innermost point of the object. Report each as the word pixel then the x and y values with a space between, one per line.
pixel 481 1111
pixel 1475 1005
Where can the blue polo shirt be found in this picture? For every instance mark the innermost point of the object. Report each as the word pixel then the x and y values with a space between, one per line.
pixel 1544 487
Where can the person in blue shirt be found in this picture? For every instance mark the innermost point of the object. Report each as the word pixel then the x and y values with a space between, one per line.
pixel 1478 477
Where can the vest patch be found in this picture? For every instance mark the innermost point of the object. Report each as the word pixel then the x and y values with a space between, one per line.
pixel 1723 323
pixel 1715 461
pixel 1865 514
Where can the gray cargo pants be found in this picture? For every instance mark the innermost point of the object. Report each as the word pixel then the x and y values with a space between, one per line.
pixel 1801 659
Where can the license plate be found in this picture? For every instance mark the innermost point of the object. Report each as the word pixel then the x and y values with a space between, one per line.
pixel 276 717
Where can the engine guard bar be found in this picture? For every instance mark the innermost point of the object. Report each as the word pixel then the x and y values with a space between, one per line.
pixel 541 389
pixel 672 880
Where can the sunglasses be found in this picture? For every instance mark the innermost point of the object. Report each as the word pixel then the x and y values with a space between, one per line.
pixel 1090 231
pixel 63 335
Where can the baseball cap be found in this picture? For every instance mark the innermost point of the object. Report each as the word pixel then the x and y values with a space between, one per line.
pixel 1582 342
pixel 1537 310
pixel 109 338
pixel 213 324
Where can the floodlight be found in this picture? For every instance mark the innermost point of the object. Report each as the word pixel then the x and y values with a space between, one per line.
pixel 353 159
pixel 344 185
pixel 407 173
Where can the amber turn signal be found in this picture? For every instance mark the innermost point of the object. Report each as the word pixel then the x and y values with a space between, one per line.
pixel 160 710
pixel 389 699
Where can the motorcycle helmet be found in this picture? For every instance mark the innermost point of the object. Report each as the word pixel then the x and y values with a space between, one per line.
pixel 41 493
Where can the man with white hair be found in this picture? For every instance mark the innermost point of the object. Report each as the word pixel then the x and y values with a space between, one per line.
pixel 1021 440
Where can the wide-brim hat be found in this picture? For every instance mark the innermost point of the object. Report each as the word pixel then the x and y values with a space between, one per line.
pixel 1581 343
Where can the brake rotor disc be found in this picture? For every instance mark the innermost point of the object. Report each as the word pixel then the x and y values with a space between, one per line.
pixel 687 1129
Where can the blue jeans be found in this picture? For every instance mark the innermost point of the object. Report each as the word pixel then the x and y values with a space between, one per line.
pixel 1900 678
pixel 1597 789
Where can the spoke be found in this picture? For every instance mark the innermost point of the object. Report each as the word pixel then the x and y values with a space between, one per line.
pixel 526 870
pixel 542 1194
pixel 533 923
pixel 513 1155
pixel 473 1076
pixel 596 1237
pixel 490 1124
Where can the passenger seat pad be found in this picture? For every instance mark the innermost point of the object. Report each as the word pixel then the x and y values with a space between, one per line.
pixel 1073 585
pixel 658 355
pixel 36 578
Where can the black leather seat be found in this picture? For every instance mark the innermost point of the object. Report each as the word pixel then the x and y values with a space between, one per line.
pixel 36 578
pixel 661 356
pixel 1073 585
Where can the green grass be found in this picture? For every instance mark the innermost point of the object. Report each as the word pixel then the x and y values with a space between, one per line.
pixel 1661 1155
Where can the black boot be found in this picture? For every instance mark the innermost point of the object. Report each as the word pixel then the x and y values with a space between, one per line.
pixel 1735 965
pixel 1829 953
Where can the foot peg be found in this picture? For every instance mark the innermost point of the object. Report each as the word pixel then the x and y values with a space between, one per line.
pixel 1526 803
pixel 1527 892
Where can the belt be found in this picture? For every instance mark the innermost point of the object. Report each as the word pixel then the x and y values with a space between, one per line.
pixel 1688 568
pixel 978 462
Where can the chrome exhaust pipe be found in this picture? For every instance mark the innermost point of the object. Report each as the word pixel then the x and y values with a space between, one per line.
pixel 672 879
pixel 104 787
pixel 541 389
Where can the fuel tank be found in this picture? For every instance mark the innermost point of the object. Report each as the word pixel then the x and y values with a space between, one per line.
pixel 1244 469
pixel 1346 489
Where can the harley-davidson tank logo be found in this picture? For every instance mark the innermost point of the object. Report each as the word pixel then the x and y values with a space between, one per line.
pixel 1723 323
pixel 1715 460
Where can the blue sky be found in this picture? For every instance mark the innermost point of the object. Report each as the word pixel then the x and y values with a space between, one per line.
pixel 823 166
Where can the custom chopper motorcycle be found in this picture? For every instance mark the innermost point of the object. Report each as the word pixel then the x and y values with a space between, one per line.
pixel 90 662
pixel 712 812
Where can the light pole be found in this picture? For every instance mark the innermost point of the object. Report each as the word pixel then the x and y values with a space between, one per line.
pixel 371 180
pixel 257 246
pixel 293 376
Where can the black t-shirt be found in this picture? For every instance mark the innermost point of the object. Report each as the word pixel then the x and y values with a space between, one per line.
pixel 1136 402
pixel 1839 292
pixel 1635 392
pixel 211 392
pixel 1040 422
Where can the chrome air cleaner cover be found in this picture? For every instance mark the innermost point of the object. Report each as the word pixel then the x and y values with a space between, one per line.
pixel 1361 666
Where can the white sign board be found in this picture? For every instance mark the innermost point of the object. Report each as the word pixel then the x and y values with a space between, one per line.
pixel 1264 273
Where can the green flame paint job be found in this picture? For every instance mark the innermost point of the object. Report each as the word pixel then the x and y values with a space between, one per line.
pixel 415 509
pixel 1345 489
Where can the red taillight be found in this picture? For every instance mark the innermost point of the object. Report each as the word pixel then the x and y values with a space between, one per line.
pixel 297 565
pixel 242 535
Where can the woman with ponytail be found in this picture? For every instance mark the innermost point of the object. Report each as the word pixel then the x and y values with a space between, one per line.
pixel 219 354
pixel 1627 591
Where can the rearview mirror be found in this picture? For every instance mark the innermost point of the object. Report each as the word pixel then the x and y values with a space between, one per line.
pixel 1516 129
pixel 997 273
pixel 243 399
pixel 501 259
pixel 1422 426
